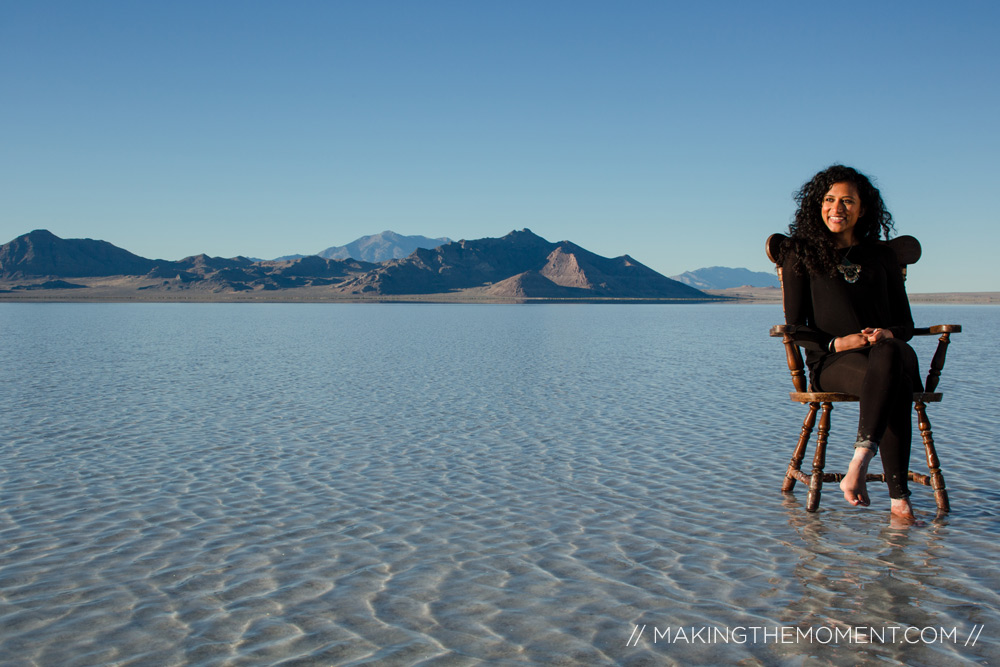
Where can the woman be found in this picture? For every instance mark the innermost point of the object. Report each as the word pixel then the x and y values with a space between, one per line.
pixel 844 293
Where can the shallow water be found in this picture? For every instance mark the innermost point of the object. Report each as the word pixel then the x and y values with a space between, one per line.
pixel 215 484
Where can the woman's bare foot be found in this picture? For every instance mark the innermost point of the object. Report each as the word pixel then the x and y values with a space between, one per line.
pixel 855 482
pixel 901 510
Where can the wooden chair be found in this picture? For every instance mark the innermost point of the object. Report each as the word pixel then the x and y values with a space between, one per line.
pixel 907 250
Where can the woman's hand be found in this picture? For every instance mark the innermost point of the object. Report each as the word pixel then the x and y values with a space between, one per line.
pixel 867 337
pixel 875 335
pixel 850 342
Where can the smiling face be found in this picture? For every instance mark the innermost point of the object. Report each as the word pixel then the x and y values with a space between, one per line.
pixel 840 210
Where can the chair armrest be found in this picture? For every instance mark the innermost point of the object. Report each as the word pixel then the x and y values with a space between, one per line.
pixel 779 330
pixel 937 329
pixel 792 354
pixel 790 334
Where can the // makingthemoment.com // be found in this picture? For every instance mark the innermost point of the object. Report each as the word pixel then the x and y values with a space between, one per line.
pixel 780 634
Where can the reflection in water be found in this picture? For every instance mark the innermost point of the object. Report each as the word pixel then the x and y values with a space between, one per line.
pixel 878 585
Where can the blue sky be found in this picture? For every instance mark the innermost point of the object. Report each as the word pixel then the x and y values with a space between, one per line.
pixel 673 132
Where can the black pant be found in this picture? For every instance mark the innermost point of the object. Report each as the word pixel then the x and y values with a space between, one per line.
pixel 884 376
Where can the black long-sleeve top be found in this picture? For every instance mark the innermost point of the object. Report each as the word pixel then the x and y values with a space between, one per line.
pixel 823 307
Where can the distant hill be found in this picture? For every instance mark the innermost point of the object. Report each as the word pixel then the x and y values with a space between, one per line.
pixel 42 253
pixel 240 274
pixel 518 265
pixel 381 247
pixel 721 277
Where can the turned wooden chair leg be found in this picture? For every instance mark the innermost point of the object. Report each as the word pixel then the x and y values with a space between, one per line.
pixel 937 478
pixel 819 460
pixel 795 465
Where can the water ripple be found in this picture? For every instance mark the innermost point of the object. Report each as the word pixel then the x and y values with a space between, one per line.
pixel 454 485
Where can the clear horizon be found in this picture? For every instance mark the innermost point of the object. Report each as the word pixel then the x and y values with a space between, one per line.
pixel 674 134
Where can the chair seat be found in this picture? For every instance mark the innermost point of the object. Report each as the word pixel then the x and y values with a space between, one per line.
pixel 837 397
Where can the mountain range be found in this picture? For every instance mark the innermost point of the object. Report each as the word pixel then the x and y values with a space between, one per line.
pixel 374 248
pixel 382 247
pixel 722 277
pixel 520 265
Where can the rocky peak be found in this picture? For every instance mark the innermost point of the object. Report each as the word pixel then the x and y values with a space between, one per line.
pixel 42 253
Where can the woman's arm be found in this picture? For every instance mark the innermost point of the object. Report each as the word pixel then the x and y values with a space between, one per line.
pixel 797 300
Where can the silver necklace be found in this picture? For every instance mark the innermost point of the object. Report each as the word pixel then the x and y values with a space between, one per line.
pixel 850 270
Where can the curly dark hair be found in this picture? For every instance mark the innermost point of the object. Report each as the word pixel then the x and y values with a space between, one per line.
pixel 808 234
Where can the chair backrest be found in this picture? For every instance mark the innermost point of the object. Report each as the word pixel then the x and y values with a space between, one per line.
pixel 907 249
